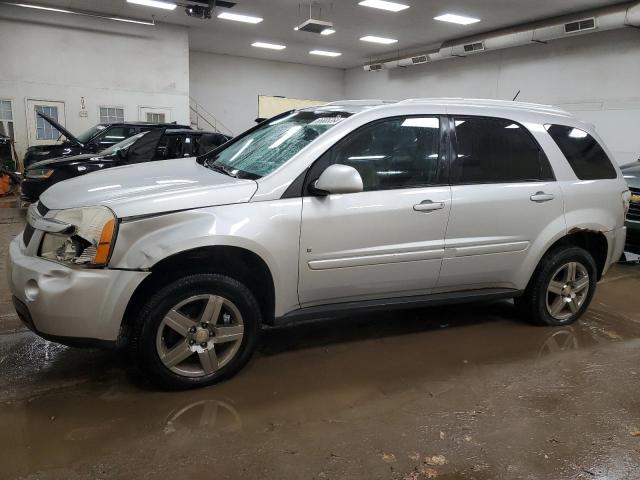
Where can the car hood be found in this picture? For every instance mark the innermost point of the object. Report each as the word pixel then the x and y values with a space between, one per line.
pixel 61 129
pixel 62 161
pixel 631 173
pixel 150 188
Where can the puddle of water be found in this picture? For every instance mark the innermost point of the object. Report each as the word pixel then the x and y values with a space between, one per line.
pixel 65 406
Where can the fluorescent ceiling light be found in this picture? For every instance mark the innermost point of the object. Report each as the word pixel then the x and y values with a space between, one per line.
pixel 374 39
pixel 459 19
pixel 325 53
pixel 79 12
pixel 327 31
pixel 40 7
pixel 129 20
pixel 155 4
pixel 270 46
pixel 384 5
pixel 239 18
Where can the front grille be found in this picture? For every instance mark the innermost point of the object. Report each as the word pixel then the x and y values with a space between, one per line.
pixel 634 208
pixel 29 230
pixel 42 210
pixel 27 234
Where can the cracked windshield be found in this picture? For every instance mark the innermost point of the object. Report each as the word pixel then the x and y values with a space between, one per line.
pixel 260 152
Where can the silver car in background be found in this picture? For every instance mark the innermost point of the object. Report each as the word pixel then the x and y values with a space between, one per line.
pixel 349 207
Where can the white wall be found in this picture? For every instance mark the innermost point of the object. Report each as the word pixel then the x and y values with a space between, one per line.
pixel 62 57
pixel 595 76
pixel 228 87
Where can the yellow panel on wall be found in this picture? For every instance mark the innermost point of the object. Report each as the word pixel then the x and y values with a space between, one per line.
pixel 269 106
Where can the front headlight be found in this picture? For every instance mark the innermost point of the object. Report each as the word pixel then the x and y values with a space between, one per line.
pixel 90 243
pixel 39 173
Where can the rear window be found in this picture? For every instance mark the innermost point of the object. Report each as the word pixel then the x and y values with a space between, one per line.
pixel 585 155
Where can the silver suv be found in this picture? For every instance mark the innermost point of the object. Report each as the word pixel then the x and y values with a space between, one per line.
pixel 349 207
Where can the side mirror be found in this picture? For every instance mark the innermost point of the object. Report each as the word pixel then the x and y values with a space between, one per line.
pixel 338 179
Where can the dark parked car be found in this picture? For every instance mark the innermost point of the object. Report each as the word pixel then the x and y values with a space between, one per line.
pixel 94 140
pixel 631 174
pixel 151 145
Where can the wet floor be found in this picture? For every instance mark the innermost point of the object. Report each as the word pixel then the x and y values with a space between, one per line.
pixel 465 392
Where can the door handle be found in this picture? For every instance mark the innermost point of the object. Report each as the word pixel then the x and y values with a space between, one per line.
pixel 540 197
pixel 428 206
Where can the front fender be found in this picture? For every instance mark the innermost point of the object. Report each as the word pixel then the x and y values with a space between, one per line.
pixel 270 229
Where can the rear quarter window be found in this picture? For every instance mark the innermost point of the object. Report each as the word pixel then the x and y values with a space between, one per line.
pixel 585 155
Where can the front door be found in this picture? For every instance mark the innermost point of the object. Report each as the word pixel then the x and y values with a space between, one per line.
pixel 41 132
pixel 389 239
pixel 504 196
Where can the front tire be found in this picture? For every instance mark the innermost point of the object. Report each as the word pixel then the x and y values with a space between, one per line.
pixel 196 331
pixel 560 289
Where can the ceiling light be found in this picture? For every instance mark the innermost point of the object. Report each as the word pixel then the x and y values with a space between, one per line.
pixel 81 13
pixel 374 39
pixel 384 5
pixel 39 7
pixel 129 20
pixel 324 53
pixel 155 4
pixel 239 18
pixel 327 31
pixel 459 19
pixel 270 46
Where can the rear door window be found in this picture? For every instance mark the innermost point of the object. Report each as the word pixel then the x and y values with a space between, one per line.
pixel 496 150
pixel 585 155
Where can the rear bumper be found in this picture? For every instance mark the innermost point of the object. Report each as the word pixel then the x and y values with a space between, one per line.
pixel 616 240
pixel 69 305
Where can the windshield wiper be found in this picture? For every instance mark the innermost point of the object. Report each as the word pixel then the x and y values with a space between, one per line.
pixel 221 169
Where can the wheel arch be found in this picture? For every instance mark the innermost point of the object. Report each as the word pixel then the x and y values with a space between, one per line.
pixel 593 241
pixel 239 263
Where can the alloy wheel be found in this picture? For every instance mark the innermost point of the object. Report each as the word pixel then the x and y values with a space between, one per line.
pixel 200 335
pixel 567 290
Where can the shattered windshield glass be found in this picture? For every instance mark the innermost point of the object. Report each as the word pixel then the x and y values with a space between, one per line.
pixel 261 151
pixel 87 135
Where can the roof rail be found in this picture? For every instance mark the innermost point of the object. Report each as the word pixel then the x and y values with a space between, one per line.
pixel 359 102
pixel 487 102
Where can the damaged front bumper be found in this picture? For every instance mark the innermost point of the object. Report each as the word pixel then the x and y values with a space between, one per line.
pixel 74 306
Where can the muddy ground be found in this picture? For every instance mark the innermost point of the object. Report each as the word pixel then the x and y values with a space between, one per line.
pixel 466 392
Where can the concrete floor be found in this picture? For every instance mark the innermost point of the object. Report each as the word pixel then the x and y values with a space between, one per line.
pixel 464 392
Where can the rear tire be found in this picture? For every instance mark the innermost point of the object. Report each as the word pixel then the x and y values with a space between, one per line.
pixel 196 331
pixel 561 288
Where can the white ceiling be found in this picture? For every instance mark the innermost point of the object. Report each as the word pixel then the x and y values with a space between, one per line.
pixel 413 27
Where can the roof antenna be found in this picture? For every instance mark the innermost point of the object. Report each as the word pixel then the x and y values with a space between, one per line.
pixel 514 98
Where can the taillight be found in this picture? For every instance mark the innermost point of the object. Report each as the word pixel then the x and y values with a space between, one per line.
pixel 626 201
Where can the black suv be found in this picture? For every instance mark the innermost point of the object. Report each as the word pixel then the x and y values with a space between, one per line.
pixel 96 139
pixel 150 145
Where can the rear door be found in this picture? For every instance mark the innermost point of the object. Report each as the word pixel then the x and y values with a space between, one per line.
pixel 504 196
pixel 389 239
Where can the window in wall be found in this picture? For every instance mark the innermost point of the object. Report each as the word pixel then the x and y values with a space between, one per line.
pixel 495 150
pixel 44 130
pixel 111 114
pixel 397 152
pixel 586 157
pixel 6 118
pixel 155 117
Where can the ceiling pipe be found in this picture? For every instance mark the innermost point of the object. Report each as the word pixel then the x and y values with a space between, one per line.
pixel 582 23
